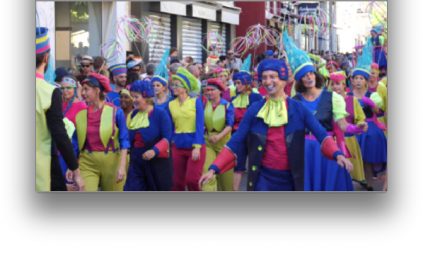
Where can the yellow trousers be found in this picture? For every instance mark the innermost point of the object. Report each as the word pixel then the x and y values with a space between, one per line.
pixel 225 181
pixel 99 169
pixel 357 173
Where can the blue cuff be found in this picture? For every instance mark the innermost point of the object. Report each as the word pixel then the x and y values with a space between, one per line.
pixel 125 144
pixel 156 150
pixel 215 168
pixel 337 153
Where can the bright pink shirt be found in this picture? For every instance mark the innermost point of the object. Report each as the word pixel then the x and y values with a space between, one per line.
pixel 275 155
pixel 93 141
pixel 74 109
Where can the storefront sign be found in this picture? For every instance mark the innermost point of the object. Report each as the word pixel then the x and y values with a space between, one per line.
pixel 173 7
pixel 231 16
pixel 204 11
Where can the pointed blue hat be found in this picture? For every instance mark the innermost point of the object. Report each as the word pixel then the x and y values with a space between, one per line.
pixel 161 72
pixel 299 61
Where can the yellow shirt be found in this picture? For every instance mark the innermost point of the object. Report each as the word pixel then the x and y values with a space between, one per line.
pixel 184 116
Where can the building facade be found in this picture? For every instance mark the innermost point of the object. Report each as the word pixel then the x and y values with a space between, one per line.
pixel 80 28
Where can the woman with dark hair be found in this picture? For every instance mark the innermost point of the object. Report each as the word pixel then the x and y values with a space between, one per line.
pixel 126 101
pixel 219 119
pixel 102 138
pixel 150 133
pixel 71 104
pixel 159 82
pixel 320 173
pixel 274 129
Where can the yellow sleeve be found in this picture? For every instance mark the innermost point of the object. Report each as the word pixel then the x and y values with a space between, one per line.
pixel 375 97
pixel 338 107
pixel 383 91
pixel 359 115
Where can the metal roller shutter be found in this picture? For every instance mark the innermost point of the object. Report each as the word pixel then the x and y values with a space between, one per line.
pixel 161 36
pixel 192 38
pixel 213 38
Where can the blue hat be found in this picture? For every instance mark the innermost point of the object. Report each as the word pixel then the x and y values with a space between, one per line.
pixel 363 65
pixel 42 43
pixel 118 69
pixel 161 72
pixel 299 61
pixel 377 28
pixel 273 65
pixel 244 74
pixel 143 87
pixel 133 63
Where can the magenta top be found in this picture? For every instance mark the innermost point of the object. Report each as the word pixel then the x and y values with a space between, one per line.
pixel 93 141
pixel 275 155
pixel 71 111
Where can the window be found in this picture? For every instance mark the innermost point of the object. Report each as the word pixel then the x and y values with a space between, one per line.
pixel 78 31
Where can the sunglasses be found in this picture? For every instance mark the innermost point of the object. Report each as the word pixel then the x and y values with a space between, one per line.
pixel 85 65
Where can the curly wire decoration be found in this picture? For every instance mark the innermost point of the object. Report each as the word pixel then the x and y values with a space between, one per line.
pixel 255 36
pixel 318 19
pixel 112 50
pixel 212 37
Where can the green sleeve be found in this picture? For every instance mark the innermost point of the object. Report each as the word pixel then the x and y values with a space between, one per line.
pixel 375 97
pixel 338 107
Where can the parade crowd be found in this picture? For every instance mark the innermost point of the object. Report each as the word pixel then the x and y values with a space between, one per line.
pixel 281 120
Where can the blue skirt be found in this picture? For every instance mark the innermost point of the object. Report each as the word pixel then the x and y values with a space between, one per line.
pixel 322 174
pixel 373 144
pixel 274 180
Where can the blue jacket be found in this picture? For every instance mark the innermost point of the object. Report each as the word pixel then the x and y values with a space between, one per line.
pixel 253 130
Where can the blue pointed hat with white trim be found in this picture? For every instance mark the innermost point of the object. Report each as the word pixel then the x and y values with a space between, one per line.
pixel 299 60
pixel 363 65
pixel 161 72
pixel 244 75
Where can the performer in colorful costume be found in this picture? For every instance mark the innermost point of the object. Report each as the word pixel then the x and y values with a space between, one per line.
pixel 50 130
pixel 373 143
pixel 223 75
pixel 150 133
pixel 219 119
pixel 357 117
pixel 159 82
pixel 244 99
pixel 188 144
pixel 378 42
pixel 126 102
pixel 374 85
pixel 102 138
pixel 321 173
pixel 118 73
pixel 274 129
pixel 71 106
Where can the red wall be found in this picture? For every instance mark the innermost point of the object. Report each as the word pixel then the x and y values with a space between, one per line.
pixel 251 13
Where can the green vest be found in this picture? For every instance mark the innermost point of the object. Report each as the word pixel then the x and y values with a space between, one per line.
pixel 107 128
pixel 43 138
pixel 215 120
